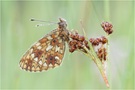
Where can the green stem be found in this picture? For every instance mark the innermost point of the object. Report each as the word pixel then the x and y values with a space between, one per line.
pixel 95 58
pixel 92 54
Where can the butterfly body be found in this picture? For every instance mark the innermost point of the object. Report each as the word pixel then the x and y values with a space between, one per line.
pixel 48 52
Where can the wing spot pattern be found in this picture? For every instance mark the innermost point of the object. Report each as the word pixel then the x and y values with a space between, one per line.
pixel 47 53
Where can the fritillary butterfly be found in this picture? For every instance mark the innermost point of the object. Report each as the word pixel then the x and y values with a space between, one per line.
pixel 48 52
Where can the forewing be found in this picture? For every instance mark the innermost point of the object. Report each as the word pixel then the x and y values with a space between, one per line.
pixel 47 53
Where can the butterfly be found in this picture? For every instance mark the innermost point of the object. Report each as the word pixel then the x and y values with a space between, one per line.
pixel 47 52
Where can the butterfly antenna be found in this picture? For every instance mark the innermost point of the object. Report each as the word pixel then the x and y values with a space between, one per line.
pixel 49 22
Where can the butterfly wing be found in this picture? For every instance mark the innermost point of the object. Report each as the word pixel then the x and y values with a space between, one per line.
pixel 47 53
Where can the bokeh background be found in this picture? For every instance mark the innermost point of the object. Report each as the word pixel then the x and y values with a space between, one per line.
pixel 77 70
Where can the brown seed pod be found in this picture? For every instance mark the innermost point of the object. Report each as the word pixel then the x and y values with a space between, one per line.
pixel 107 27
pixel 101 53
pixel 104 39
pixel 95 42
pixel 81 38
pixel 85 42
pixel 79 45
pixel 99 39
pixel 71 50
pixel 76 37
pixel 91 40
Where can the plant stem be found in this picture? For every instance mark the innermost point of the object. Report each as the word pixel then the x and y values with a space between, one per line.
pixel 95 58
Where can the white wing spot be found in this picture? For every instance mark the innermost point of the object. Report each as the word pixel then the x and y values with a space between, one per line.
pixel 61 51
pixel 57 49
pixel 37 44
pixel 60 40
pixel 32 55
pixel 44 64
pixel 39 47
pixel 56 57
pixel 28 67
pixel 49 47
pixel 28 56
pixel 36 59
pixel 40 62
pixel 31 50
pixel 56 65
pixel 24 66
pixel 50 65
pixel 49 37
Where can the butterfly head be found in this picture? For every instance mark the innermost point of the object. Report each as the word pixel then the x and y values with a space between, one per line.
pixel 62 24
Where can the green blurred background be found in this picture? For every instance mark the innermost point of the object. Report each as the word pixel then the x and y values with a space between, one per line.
pixel 77 71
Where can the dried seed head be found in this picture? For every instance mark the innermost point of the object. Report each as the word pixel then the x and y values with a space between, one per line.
pixel 71 50
pixel 104 40
pixel 107 27
pixel 95 42
pixel 79 45
pixel 102 53
pixel 81 38
pixel 99 39
pixel 76 37
pixel 91 40
pixel 85 42
pixel 78 42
